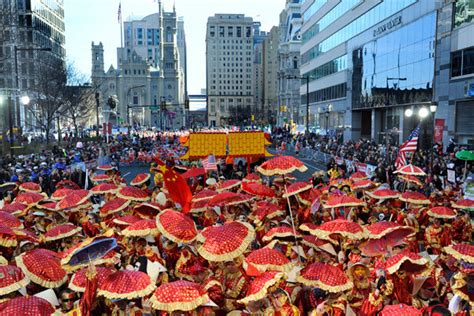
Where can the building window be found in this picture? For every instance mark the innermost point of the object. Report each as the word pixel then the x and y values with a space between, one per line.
pixel 462 62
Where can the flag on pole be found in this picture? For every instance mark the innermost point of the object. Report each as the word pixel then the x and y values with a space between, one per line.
pixel 409 146
pixel 209 163
pixel 119 13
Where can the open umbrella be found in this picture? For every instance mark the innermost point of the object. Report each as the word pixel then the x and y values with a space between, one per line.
pixel 79 279
pixel 126 220
pixel 279 232
pixel 133 194
pixel 148 209
pixel 463 204
pixel 26 305
pixel 442 212
pixel 199 206
pixel 228 184
pixel 358 176
pixel 179 296
pixel 61 231
pixel 205 194
pixel 267 259
pixel 8 186
pixel 126 284
pixel 73 199
pixel 281 165
pixel 143 228
pixel 464 252
pixel 296 188
pixel 8 237
pixel 258 288
pixel 30 187
pixel 411 179
pixel 100 178
pixel 407 261
pixel 47 205
pixel 466 155
pixel 104 188
pixel 384 229
pixel 12 279
pixel 415 198
pixel 114 206
pixel 176 226
pixel 259 189
pixel 194 172
pixel 60 194
pixel 7 219
pixel 252 177
pixel 335 201
pixel 410 170
pixel 106 167
pixel 342 227
pixel 400 310
pixel 266 211
pixel 43 267
pixel 67 184
pixel 29 198
pixel 226 242
pixel 363 184
pixel 15 208
pixel 383 194
pixel 140 179
pixel 326 277
pixel 89 250
pixel 319 244
pixel 229 198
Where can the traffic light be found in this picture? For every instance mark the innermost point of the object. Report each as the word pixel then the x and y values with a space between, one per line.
pixel 112 102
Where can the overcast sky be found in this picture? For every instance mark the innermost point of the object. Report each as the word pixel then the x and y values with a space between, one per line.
pixel 96 20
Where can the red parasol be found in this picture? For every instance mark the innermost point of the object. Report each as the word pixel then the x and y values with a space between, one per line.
pixel 60 194
pixel 400 310
pixel 79 279
pixel 259 189
pixel 205 194
pixel 105 188
pixel 25 306
pixel 142 228
pixel 358 176
pixel 179 295
pixel 67 184
pixel 259 286
pixel 126 284
pixel 15 208
pixel 7 219
pixel 226 242
pixel 12 279
pixel 335 201
pixel 126 220
pixel 106 167
pixel 47 206
pixel 363 184
pixel 383 194
pixel 442 212
pixel 279 232
pixel 61 231
pixel 415 198
pixel 252 177
pixel 411 179
pixel 410 170
pixel 29 198
pixel 176 226
pixel 73 199
pixel 100 178
pixel 140 179
pixel 114 206
pixel 228 184
pixel 194 172
pixel 133 194
pixel 281 165
pixel 309 196
pixel 463 204
pixel 318 244
pixel 148 209
pixel 384 229
pixel 266 210
pixel 343 227
pixel 464 252
pixel 229 198
pixel 199 206
pixel 326 277
pixel 296 188
pixel 267 259
pixel 30 187
pixel 407 261
pixel 43 267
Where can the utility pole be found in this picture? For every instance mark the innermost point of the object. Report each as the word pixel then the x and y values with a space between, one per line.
pixel 97 103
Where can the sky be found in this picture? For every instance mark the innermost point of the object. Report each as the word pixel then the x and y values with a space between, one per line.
pixel 97 20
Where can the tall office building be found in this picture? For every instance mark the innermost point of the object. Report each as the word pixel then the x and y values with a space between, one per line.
pixel 270 75
pixel 28 25
pixel 289 107
pixel 229 63
pixel 368 61
pixel 151 70
pixel 258 72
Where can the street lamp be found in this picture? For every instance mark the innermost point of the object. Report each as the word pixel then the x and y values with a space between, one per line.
pixel 25 100
pixel 408 112
pixel 423 112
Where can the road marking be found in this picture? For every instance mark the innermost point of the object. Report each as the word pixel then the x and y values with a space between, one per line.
pixel 125 174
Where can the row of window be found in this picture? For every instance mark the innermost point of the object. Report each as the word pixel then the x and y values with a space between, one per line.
pixel 230 76
pixel 231 70
pixel 329 68
pixel 326 94
pixel 339 10
pixel 234 93
pixel 462 62
pixel 378 13
pixel 238 88
pixel 223 41
pixel 232 81
pixel 313 8
pixel 231 31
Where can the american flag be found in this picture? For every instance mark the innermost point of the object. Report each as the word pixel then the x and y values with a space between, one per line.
pixel 209 163
pixel 409 146
pixel 119 13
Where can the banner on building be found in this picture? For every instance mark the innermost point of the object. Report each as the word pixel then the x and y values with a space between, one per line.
pixel 438 130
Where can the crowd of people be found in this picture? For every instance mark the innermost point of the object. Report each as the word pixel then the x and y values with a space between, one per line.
pixel 237 240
